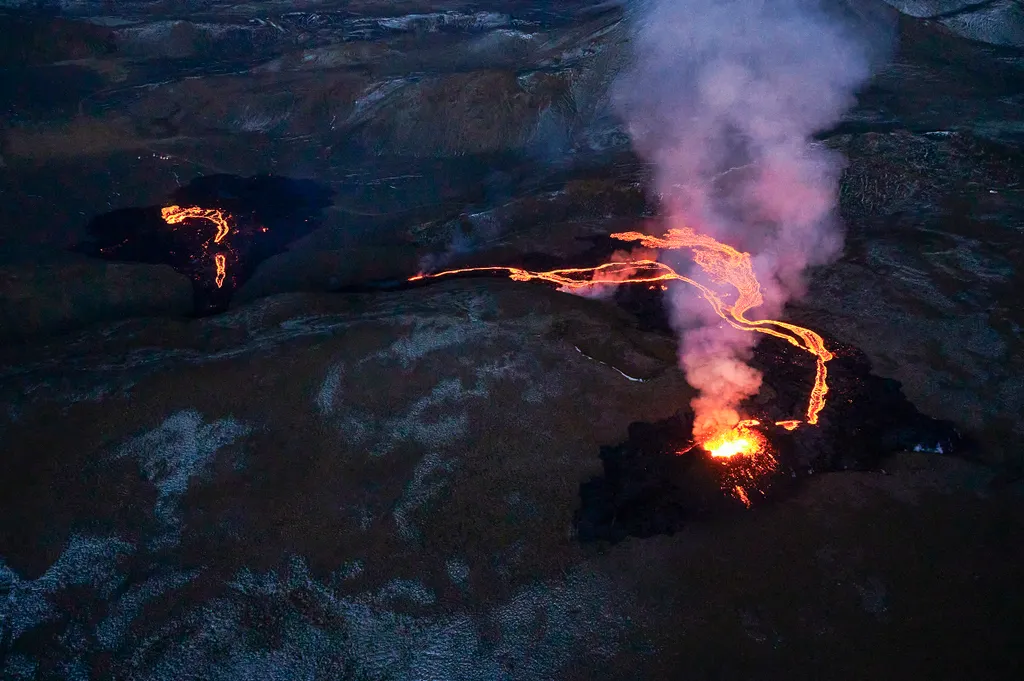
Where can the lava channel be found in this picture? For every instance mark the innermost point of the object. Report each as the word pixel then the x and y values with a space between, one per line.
pixel 176 215
pixel 743 445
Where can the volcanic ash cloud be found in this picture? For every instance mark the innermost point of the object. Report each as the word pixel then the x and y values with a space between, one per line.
pixel 724 96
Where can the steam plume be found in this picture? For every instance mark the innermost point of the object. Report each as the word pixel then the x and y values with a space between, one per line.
pixel 724 96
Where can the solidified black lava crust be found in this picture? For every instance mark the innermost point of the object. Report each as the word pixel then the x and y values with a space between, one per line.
pixel 267 213
pixel 649 488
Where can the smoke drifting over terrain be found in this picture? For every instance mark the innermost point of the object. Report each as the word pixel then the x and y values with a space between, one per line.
pixel 724 96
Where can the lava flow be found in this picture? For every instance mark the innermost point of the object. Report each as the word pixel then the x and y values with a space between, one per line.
pixel 176 215
pixel 722 263
pixel 744 448
pixel 725 265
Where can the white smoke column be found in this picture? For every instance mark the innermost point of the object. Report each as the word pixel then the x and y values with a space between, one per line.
pixel 724 96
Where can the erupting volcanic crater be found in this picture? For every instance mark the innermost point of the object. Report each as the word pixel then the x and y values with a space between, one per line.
pixel 658 479
pixel 819 408
pixel 672 471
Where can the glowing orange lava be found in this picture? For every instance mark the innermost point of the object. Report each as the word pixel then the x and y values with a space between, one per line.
pixel 741 494
pixel 746 451
pixel 176 215
pixel 723 264
pixel 749 457
pixel 741 440
pixel 221 262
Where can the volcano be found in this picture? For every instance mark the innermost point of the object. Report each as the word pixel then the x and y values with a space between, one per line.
pixel 674 470
pixel 658 479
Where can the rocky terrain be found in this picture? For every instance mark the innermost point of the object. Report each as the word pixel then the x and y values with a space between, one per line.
pixel 383 486
pixel 338 477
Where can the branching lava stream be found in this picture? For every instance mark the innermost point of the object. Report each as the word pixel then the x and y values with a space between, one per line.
pixel 726 266
pixel 176 215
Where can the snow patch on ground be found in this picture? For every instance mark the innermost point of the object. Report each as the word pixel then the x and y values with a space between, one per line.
pixel 86 561
pixel 111 632
pixel 435 420
pixel 458 571
pixel 328 389
pixel 427 338
pixel 405 589
pixel 427 482
pixel 540 630
pixel 374 97
pixel 179 449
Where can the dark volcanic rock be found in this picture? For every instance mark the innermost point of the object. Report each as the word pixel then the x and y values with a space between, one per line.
pixel 657 481
pixel 993 21
pixel 866 417
pixel 44 292
pixel 371 442
pixel 382 486
pixel 897 173
pixel 43 39
pixel 513 219
pixel 264 215
pixel 928 285
pixel 245 90
pixel 323 270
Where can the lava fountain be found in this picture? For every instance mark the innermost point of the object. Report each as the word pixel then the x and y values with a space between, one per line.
pixel 741 440
pixel 747 453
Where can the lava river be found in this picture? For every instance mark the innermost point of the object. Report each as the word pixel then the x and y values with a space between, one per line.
pixel 728 268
